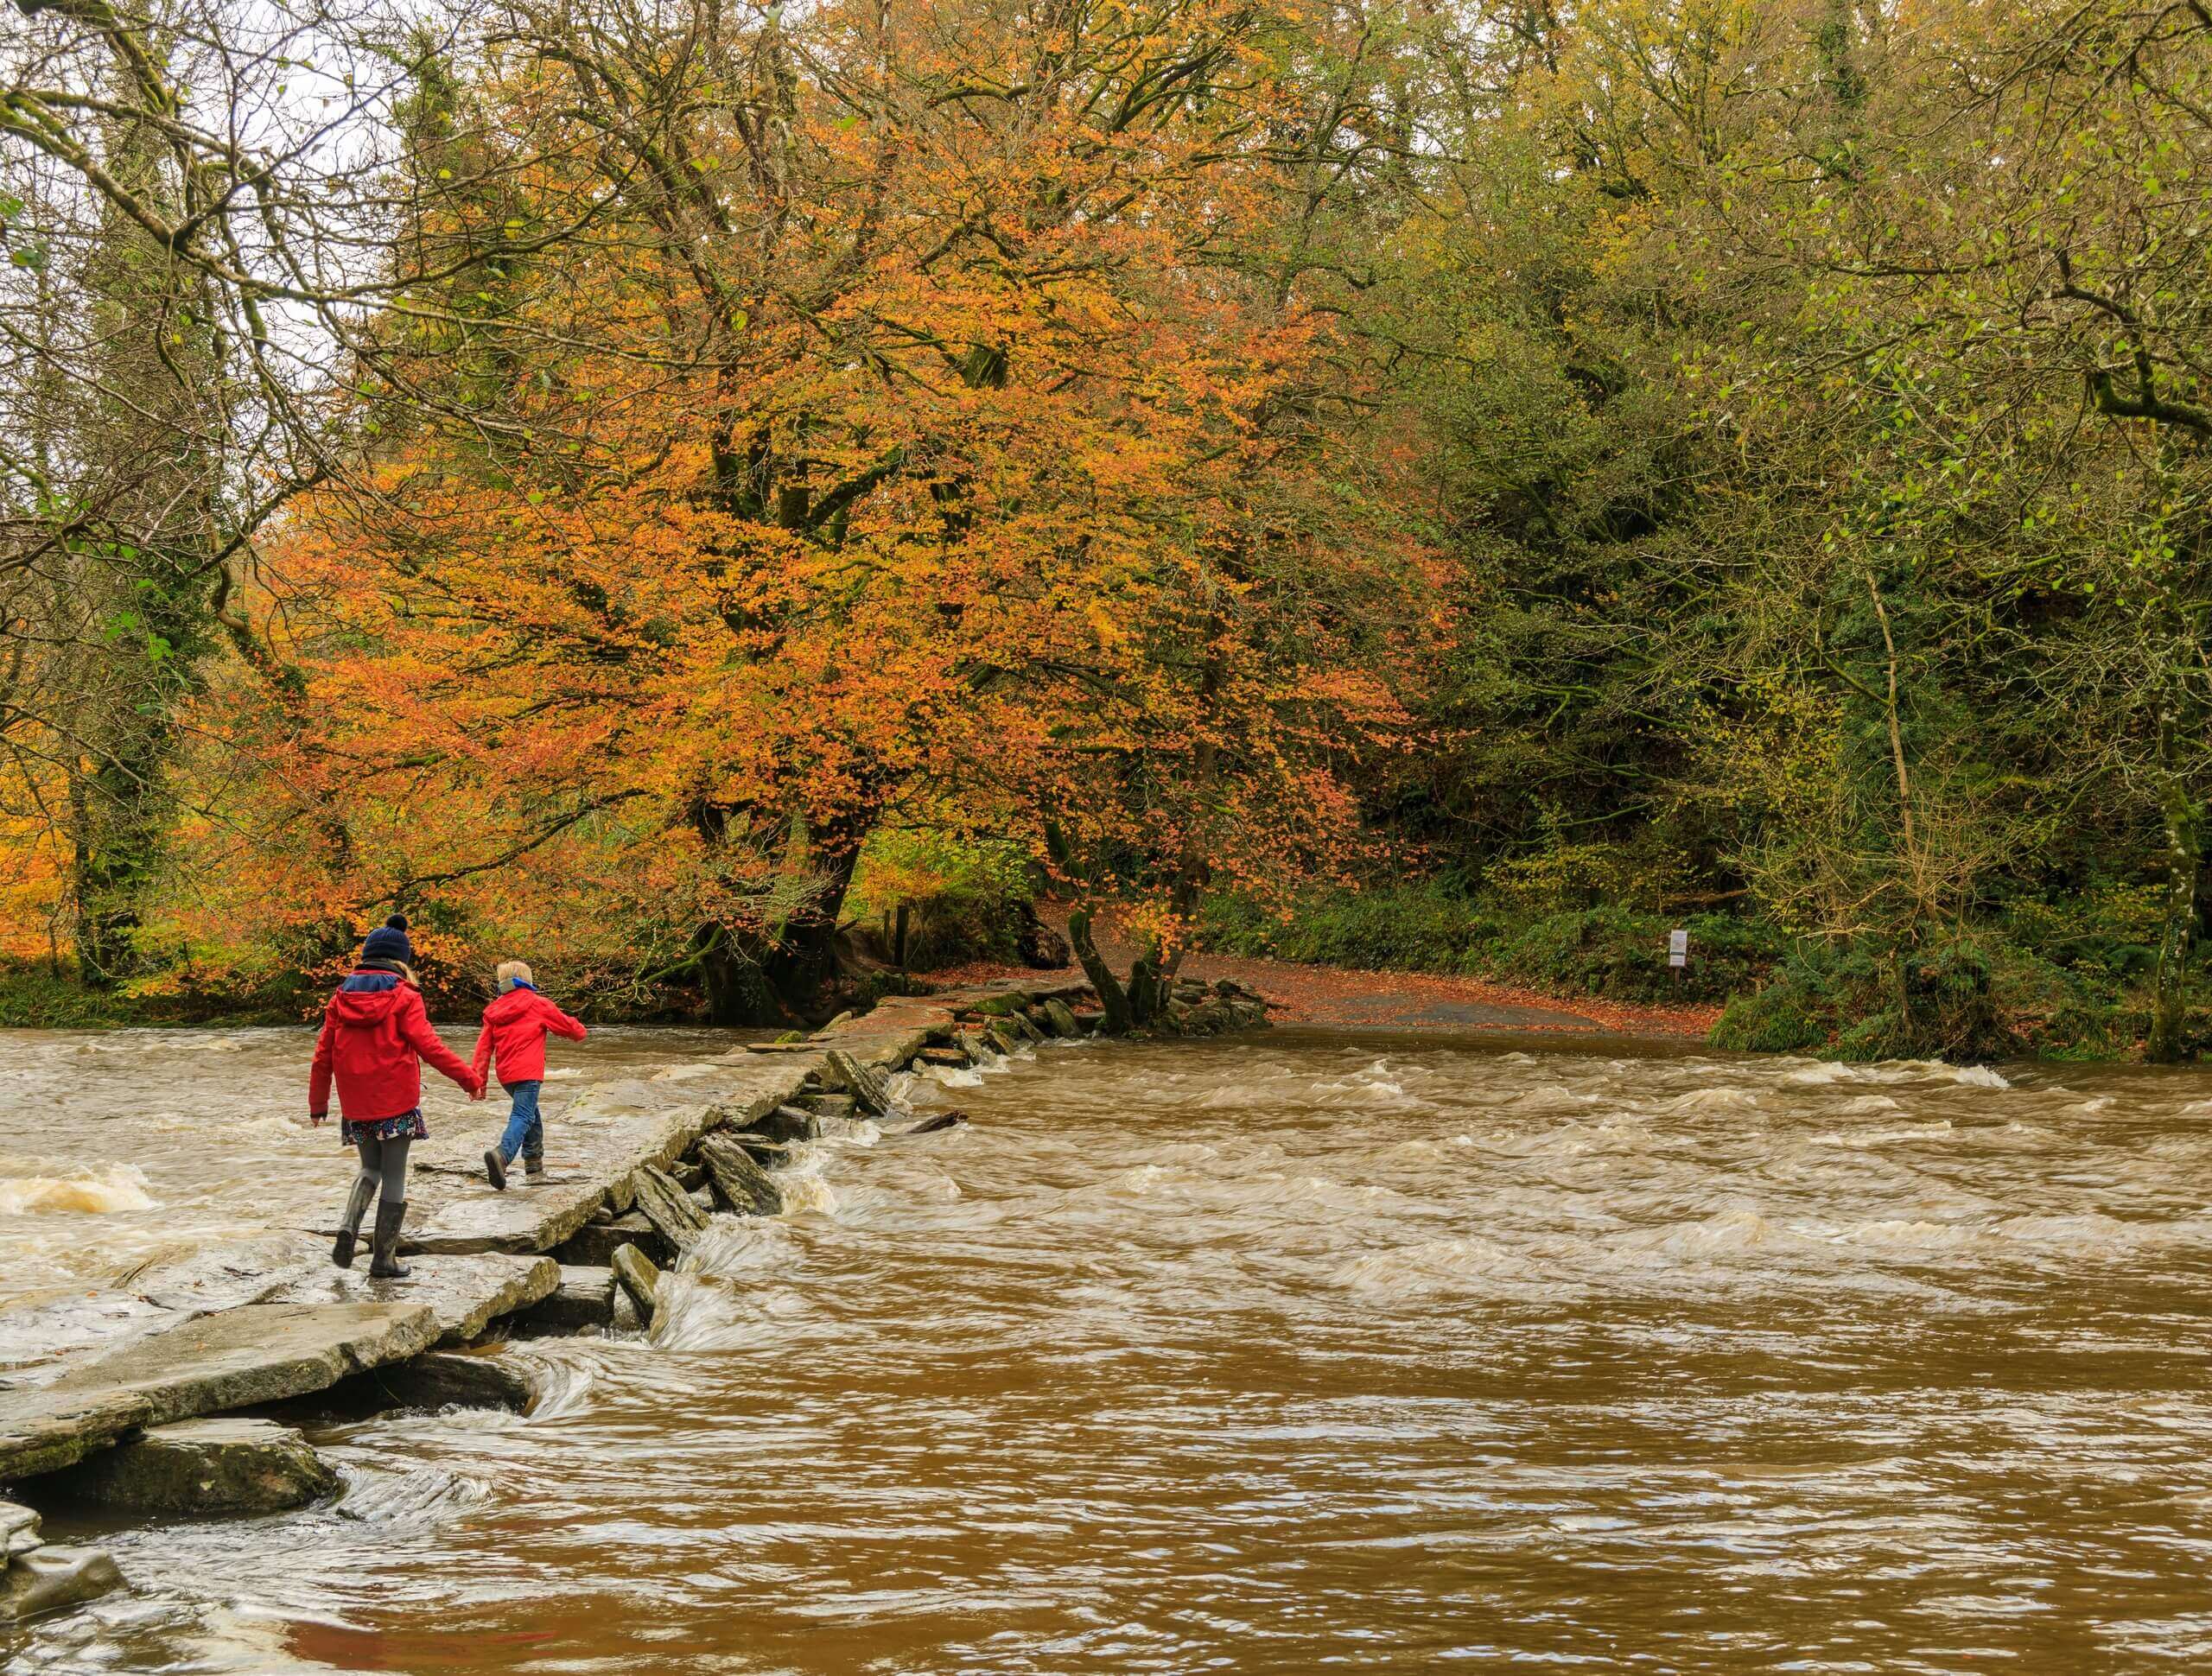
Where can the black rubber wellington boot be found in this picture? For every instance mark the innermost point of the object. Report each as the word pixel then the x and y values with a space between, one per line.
pixel 495 1168
pixel 384 1263
pixel 533 1171
pixel 349 1225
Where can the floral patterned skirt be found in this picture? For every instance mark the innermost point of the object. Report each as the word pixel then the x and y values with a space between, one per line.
pixel 408 1126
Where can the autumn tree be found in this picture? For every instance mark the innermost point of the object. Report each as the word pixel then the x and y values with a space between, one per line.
pixel 911 414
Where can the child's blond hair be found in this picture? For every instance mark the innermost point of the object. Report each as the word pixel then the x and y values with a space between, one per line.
pixel 512 971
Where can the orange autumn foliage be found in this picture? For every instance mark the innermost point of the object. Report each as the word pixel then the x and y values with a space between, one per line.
pixel 918 421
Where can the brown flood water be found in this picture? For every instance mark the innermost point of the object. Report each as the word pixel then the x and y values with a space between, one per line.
pixel 1292 1353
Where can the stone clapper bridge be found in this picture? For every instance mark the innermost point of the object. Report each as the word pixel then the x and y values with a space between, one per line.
pixel 105 1397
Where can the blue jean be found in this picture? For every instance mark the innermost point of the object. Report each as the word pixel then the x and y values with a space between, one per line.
pixel 524 1134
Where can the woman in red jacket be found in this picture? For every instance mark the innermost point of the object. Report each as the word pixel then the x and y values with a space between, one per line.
pixel 375 1035
pixel 514 1029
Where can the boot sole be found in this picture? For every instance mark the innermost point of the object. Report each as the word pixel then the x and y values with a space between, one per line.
pixel 494 1172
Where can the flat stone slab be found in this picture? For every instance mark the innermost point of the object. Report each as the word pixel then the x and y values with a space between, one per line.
pixel 42 1334
pixel 465 1293
pixel 205 1467
pixel 254 1354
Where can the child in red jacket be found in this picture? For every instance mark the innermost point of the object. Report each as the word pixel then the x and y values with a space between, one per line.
pixel 375 1036
pixel 514 1031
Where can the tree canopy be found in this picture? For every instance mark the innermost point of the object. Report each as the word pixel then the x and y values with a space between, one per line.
pixel 586 475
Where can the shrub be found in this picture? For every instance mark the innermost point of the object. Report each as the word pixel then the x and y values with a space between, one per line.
pixel 1426 926
pixel 964 900
pixel 1945 1001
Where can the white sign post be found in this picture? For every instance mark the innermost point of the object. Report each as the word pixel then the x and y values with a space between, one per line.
pixel 1678 949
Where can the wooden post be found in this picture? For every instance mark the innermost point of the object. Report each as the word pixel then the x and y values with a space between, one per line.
pixel 899 947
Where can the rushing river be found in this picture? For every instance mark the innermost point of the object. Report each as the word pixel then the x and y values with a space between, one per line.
pixel 1297 1352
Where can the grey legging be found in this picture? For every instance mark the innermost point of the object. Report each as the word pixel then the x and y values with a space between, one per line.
pixel 384 1161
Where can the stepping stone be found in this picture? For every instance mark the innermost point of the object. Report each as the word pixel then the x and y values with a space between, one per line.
pixel 640 1281
pixel 593 1245
pixel 740 1183
pixel 584 1298
pixel 668 1208
pixel 203 1466
pixel 847 1074
pixel 455 1378
pixel 257 1352
pixel 786 1123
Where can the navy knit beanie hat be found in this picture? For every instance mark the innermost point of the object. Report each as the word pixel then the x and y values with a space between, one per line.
pixel 389 942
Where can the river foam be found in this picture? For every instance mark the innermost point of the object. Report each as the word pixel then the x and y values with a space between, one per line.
pixel 95 1191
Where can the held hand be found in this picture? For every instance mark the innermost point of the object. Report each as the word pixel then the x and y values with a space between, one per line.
pixel 476 1092
pixel 318 1118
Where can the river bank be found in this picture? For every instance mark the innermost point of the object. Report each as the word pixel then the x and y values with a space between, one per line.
pixel 1353 997
pixel 263 1317
pixel 1299 993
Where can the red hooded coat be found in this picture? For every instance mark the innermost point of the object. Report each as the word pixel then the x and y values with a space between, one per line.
pixel 373 1042
pixel 514 1030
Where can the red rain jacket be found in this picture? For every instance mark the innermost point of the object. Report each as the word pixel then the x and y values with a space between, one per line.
pixel 373 1042
pixel 514 1030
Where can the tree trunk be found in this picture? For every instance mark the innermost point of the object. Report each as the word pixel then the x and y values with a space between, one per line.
pixel 1120 1019
pixel 149 459
pixel 109 861
pixel 2167 1042
pixel 802 963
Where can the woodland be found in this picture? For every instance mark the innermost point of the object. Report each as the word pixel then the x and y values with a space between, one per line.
pixel 735 503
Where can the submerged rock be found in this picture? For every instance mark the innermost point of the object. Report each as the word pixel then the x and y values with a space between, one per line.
pixel 209 1466
pixel 48 1578
pixel 935 1121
